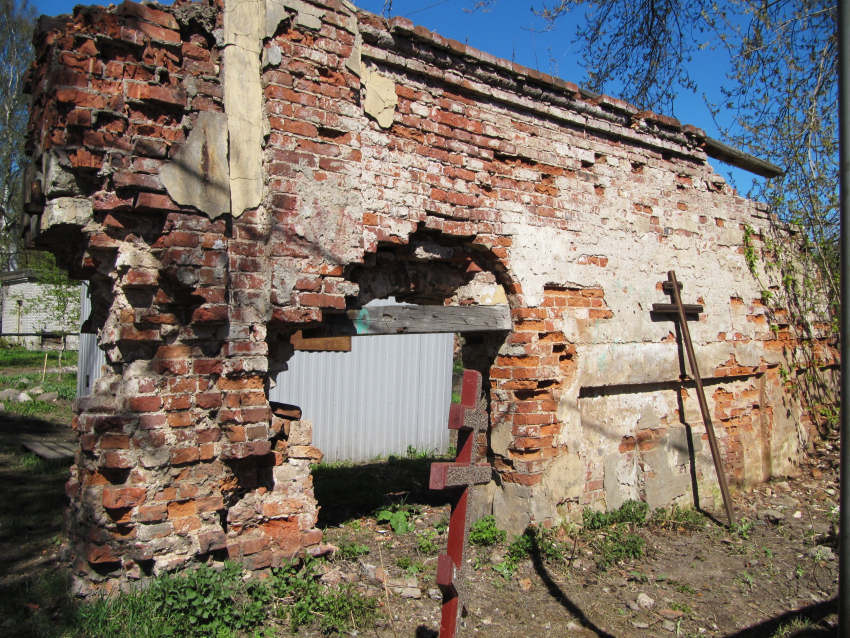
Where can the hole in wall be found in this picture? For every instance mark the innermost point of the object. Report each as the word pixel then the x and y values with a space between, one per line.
pixel 431 269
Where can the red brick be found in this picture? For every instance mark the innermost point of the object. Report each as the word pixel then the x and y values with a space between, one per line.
pixel 179 509
pixel 185 455
pixel 114 442
pixel 119 498
pixel 116 460
pixel 208 400
pixel 322 300
pixel 152 513
pixel 97 554
pixel 144 403
pixel 180 419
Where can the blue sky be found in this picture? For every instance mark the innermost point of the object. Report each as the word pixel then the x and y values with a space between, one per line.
pixel 511 31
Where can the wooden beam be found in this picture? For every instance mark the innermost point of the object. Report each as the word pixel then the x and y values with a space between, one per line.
pixel 320 344
pixel 391 320
pixel 672 309
pixel 719 150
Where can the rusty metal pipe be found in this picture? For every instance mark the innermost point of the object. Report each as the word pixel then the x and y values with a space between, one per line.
pixel 703 406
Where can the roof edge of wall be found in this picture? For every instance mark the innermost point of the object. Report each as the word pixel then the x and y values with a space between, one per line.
pixel 692 140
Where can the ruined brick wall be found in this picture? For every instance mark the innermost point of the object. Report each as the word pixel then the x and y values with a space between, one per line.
pixel 225 177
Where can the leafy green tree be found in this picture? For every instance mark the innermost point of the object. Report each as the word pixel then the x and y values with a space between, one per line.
pixel 59 297
pixel 17 19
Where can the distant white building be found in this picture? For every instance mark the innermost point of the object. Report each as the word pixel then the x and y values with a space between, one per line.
pixel 27 319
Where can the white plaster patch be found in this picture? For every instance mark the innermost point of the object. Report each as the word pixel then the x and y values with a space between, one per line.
pixel 198 174
pixel 243 101
pixel 381 99
pixel 539 258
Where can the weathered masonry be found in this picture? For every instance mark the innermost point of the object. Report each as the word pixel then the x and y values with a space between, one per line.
pixel 225 176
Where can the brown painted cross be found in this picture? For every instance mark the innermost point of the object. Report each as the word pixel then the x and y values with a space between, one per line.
pixel 468 417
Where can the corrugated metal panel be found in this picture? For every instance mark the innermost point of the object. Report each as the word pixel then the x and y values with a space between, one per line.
pixel 90 358
pixel 388 393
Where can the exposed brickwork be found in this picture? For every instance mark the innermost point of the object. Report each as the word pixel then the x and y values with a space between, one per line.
pixel 490 181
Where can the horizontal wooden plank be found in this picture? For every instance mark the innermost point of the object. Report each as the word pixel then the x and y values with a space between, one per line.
pixel 320 344
pixel 47 449
pixel 723 152
pixel 390 320
pixel 671 309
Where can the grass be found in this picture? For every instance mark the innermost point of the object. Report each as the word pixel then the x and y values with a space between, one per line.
pixel 16 356
pixel 206 601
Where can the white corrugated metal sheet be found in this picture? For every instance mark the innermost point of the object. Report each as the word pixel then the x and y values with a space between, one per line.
pixel 389 393
pixel 90 358
pixel 386 395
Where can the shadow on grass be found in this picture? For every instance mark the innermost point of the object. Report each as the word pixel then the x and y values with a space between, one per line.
pixel 34 590
pixel 351 491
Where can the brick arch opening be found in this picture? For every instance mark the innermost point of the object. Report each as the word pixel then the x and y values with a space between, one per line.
pixel 429 268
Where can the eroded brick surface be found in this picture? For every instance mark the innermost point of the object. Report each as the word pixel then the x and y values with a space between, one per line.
pixel 480 182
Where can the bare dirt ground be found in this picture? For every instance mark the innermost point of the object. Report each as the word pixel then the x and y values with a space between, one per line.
pixel 775 574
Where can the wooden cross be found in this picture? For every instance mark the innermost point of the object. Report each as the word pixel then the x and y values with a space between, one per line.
pixel 682 312
pixel 468 417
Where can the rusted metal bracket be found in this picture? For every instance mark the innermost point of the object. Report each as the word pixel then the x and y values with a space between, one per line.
pixel 469 417
pixel 679 311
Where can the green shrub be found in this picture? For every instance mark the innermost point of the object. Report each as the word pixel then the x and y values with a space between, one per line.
pixel 426 541
pixel 398 517
pixel 484 532
pixel 532 541
pixel 686 517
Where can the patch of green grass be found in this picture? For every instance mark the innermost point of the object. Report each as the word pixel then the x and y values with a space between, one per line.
pixel 792 628
pixel 629 512
pixel 742 528
pixel 308 603
pixel 617 544
pixel 201 602
pixel 484 532
pixel 31 408
pixel 426 541
pixel 685 608
pixel 745 579
pixel 352 551
pixel 682 517
pixel 17 356
pixel 221 603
